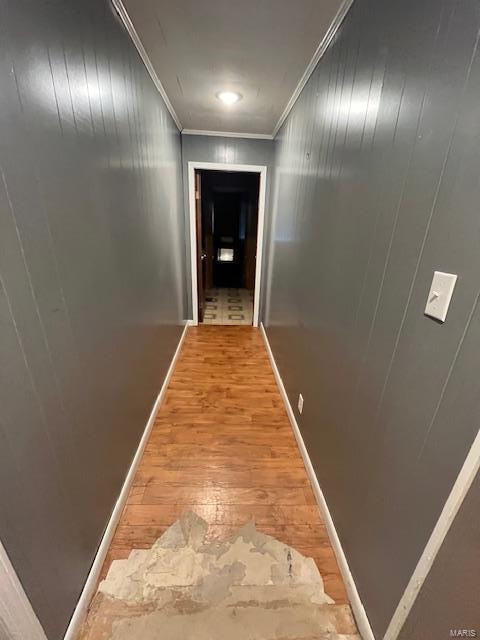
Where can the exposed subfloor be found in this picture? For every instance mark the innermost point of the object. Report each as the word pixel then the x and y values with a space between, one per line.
pixel 250 586
pixel 228 306
pixel 222 447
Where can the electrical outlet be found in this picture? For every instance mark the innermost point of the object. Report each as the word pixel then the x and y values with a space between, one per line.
pixel 300 403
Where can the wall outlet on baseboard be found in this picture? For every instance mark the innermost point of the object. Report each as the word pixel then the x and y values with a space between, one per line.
pixel 300 403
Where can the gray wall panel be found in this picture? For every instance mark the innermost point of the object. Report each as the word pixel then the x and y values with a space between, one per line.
pixel 230 151
pixel 376 186
pixel 449 598
pixel 91 282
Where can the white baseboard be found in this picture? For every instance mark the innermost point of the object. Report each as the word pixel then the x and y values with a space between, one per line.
pixel 88 592
pixel 355 602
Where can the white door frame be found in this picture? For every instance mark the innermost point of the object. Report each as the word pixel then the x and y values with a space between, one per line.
pixel 17 618
pixel 225 166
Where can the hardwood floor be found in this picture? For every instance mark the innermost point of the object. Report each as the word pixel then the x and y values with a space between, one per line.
pixel 222 446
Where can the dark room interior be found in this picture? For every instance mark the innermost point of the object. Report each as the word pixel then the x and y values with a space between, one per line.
pixel 229 220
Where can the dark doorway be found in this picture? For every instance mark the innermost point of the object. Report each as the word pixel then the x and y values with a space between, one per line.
pixel 227 222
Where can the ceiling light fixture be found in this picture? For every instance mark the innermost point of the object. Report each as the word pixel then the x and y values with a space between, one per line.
pixel 229 97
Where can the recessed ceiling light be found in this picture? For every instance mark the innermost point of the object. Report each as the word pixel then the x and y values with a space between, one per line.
pixel 229 97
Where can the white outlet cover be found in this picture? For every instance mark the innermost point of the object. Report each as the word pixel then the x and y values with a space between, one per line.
pixel 440 294
pixel 300 403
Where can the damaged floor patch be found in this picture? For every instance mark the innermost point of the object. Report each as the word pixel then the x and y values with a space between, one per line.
pixel 249 587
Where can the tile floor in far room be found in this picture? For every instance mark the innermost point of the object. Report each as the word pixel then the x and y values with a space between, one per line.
pixel 228 306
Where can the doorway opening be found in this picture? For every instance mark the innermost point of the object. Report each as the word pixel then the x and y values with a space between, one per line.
pixel 226 243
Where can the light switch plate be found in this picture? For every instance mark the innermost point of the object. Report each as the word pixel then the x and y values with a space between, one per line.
pixel 300 403
pixel 440 295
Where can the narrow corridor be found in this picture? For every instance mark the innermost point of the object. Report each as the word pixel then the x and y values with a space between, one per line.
pixel 222 446
pixel 283 196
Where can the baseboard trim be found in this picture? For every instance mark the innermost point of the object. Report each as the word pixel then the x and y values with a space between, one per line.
pixel 355 601
pixel 89 588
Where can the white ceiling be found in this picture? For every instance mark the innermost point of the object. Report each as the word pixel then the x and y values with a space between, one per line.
pixel 259 48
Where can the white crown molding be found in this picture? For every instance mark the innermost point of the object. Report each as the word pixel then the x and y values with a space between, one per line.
pixel 125 18
pixel 322 47
pixel 226 134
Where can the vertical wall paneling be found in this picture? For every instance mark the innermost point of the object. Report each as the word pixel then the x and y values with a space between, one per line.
pixel 375 187
pixel 91 282
pixel 452 581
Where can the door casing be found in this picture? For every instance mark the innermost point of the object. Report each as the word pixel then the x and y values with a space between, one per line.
pixel 17 617
pixel 242 168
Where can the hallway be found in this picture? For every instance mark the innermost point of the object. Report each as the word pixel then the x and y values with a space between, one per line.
pixel 222 446
pixel 240 317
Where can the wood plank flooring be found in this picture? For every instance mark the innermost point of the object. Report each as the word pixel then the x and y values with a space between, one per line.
pixel 222 446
